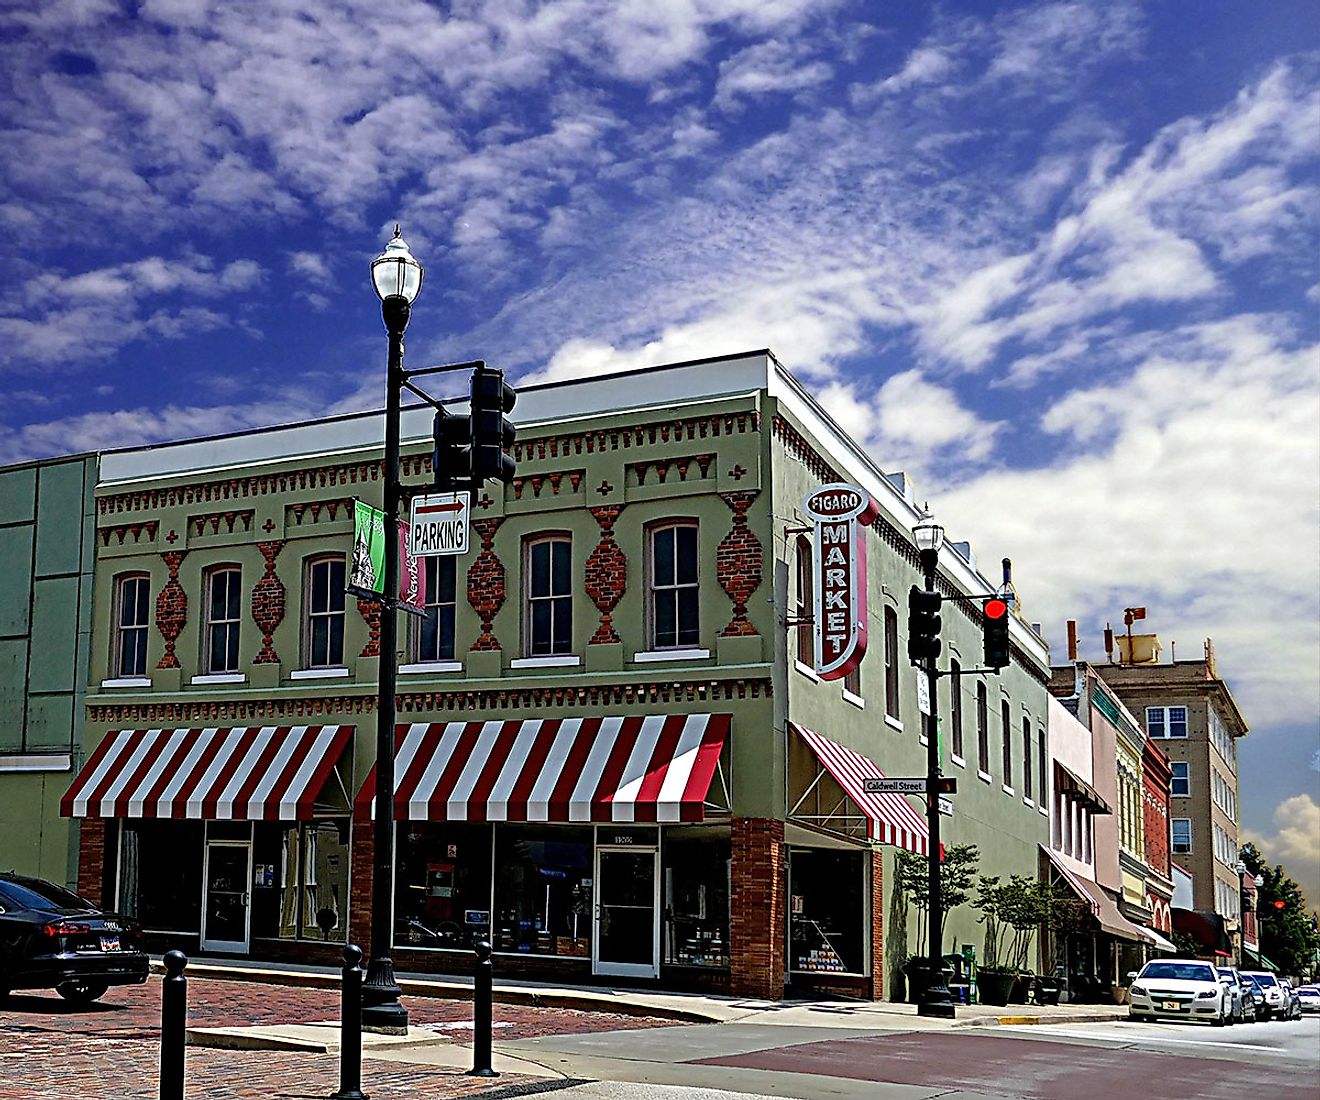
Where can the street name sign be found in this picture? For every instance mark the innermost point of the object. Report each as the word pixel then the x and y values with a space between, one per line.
pixel 440 524
pixel 894 786
pixel 923 692
pixel 946 806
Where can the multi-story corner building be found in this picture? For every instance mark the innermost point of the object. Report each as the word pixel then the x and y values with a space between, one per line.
pixel 1156 782
pixel 1188 709
pixel 46 525
pixel 612 759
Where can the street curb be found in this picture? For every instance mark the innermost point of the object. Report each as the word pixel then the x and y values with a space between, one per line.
pixel 1047 1018
pixel 580 1002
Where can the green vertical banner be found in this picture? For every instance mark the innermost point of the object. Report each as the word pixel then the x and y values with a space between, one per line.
pixel 367 572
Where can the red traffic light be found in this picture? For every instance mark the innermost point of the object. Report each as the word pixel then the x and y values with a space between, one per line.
pixel 995 609
pixel 1279 904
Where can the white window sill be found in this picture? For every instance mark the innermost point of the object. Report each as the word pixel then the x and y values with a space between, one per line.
pixel 983 776
pixel 1042 811
pixel 567 661
pixel 1027 800
pixel 855 700
pixel 1007 789
pixel 317 673
pixel 893 723
pixel 807 671
pixel 127 682
pixel 956 759
pixel 37 762
pixel 220 678
pixel 420 668
pixel 689 653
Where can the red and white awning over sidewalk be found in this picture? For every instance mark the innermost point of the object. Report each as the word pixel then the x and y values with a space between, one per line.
pixel 266 773
pixel 654 768
pixel 891 818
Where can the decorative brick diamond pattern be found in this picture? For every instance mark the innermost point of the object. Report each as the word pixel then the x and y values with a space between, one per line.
pixel 738 563
pixel 607 574
pixel 268 603
pixel 486 583
pixel 171 608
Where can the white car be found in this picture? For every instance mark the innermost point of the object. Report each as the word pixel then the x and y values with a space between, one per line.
pixel 1309 995
pixel 1186 989
pixel 1277 1006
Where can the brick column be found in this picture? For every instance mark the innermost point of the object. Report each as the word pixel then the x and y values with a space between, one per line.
pixel 359 882
pixel 91 858
pixel 756 920
pixel 877 990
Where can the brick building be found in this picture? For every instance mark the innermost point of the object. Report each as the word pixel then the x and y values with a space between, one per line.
pixel 611 759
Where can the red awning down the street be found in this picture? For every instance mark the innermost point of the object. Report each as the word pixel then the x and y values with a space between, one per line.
pixel 266 773
pixel 652 768
pixel 1074 880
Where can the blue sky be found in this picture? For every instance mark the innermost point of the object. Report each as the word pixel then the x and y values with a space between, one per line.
pixel 1058 261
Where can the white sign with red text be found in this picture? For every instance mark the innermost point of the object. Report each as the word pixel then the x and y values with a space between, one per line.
pixel 440 524
pixel 840 513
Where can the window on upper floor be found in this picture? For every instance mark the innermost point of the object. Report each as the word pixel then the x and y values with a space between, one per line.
pixel 224 602
pixel 1166 721
pixel 1180 835
pixel 852 682
pixel 1027 770
pixel 434 633
pixel 323 619
pixel 891 662
pixel 1042 763
pixel 547 582
pixel 674 581
pixel 956 707
pixel 132 617
pixel 1181 783
pixel 1006 728
pixel 806 609
pixel 982 727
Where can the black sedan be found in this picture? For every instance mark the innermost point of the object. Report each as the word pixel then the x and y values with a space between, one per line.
pixel 50 938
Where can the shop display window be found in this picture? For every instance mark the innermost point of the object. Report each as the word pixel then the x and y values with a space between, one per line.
pixel 695 898
pixel 543 890
pixel 827 911
pixel 300 880
pixel 160 874
pixel 442 884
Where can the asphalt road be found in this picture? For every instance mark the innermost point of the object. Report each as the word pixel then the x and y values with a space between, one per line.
pixel 1075 1062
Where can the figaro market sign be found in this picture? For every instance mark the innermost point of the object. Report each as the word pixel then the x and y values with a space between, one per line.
pixel 840 513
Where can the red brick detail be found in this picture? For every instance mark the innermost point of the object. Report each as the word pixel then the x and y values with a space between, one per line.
pixel 214 520
pixel 123 530
pixel 359 882
pixel 238 488
pixel 607 574
pixel 314 509
pixel 662 467
pixel 1156 773
pixel 555 480
pixel 370 612
pixel 171 608
pixel 757 917
pixel 91 858
pixel 877 979
pixel 738 563
pixel 486 583
pixel 268 603
pixel 602 440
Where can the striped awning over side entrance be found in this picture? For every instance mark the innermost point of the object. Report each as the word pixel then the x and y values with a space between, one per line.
pixel 1072 879
pixel 893 819
pixel 265 773
pixel 656 768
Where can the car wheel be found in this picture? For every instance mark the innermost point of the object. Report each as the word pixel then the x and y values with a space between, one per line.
pixel 80 992
pixel 1219 1020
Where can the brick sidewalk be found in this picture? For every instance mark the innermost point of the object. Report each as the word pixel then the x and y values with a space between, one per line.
pixel 50 1050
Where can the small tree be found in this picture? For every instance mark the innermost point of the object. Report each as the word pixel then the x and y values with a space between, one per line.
pixel 957 873
pixel 992 900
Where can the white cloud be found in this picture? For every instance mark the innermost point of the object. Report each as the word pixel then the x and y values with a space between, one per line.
pixel 766 68
pixel 1295 844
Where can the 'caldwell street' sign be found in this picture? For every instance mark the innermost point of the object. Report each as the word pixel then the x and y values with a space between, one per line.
pixel 840 513
pixel 894 786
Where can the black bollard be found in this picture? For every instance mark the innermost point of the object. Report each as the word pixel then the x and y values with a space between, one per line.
pixel 481 1013
pixel 350 1027
pixel 173 1018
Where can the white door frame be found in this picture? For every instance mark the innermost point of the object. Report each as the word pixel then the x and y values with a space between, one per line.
pixel 628 970
pixel 239 947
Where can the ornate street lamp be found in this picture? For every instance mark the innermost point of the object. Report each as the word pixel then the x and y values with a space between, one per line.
pixel 397 277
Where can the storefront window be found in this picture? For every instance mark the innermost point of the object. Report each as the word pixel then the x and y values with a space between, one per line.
pixel 300 880
pixel 827 892
pixel 442 884
pixel 543 890
pixel 160 874
pixel 696 898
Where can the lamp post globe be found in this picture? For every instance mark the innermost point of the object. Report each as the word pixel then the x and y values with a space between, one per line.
pixel 929 537
pixel 395 273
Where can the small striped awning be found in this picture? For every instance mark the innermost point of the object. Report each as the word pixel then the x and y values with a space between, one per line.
pixel 1073 879
pixel 656 768
pixel 893 819
pixel 265 773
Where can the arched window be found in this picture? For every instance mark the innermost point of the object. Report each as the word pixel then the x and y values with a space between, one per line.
pixel 547 574
pixel 434 634
pixel 955 707
pixel 673 581
pixel 223 610
pixel 1006 722
pixel 323 612
pixel 891 662
pixel 806 600
pixel 132 616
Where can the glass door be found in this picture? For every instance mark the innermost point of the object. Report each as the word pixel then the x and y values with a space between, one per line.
pixel 627 940
pixel 226 882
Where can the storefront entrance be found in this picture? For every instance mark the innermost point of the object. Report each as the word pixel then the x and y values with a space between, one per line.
pixel 226 883
pixel 627 939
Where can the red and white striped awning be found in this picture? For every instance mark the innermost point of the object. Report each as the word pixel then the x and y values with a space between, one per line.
pixel 655 768
pixel 266 773
pixel 892 818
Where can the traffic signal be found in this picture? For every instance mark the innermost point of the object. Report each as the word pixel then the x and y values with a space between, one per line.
pixel 923 625
pixel 995 632
pixel 947 784
pixel 492 432
pixel 452 458
pixel 1280 903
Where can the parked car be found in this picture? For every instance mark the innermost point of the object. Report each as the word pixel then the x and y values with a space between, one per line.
pixel 1244 994
pixel 50 938
pixel 1293 1003
pixel 1186 989
pixel 1271 990
pixel 1308 998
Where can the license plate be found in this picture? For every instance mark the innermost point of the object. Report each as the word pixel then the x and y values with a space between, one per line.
pixel 109 943
pixel 1171 1006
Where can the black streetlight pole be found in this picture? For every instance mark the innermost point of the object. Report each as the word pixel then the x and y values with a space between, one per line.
pixel 935 998
pixel 397 278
